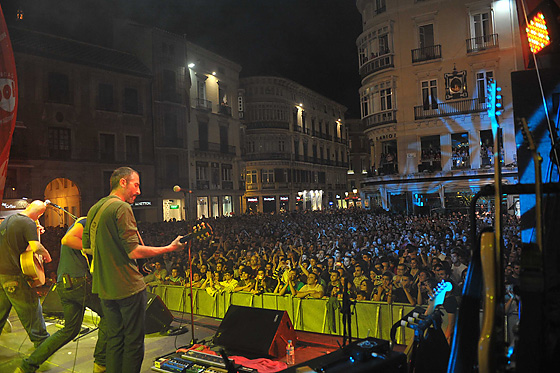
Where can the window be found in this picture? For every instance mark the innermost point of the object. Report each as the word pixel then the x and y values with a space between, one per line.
pixel 58 88
pixel 215 175
pixel 201 170
pixel 201 88
pixel 106 147
pixel 132 149
pixel 481 79
pixel 227 172
pixel 251 177
pixel 481 24
pixel 203 135
pixel 460 150
pixel 105 99
pixel 171 168
pixel 267 176
pixel 365 106
pixel 281 146
pixel 380 6
pixel 59 142
pixel 170 86
pixel 131 101
pixel 171 136
pixel 224 140
pixel 431 154
pixel 386 99
pixel 429 94
pixel 426 36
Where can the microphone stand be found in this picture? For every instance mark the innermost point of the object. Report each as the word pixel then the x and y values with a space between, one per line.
pixel 193 339
pixel 63 209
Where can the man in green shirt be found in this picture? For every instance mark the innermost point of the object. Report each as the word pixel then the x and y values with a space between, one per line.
pixel 112 235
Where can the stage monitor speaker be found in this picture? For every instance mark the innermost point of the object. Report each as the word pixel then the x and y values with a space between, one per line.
pixel 158 316
pixel 51 303
pixel 256 332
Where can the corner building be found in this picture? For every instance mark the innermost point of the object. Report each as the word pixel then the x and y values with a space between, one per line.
pixel 296 146
pixel 424 66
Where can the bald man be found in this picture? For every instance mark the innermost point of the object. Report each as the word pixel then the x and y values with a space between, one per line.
pixel 18 232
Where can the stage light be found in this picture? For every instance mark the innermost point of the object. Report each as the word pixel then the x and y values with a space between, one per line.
pixel 537 33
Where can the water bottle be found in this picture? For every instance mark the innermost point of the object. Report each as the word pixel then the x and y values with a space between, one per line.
pixel 290 353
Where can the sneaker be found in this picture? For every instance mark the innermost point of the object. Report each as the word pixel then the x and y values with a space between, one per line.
pixel 98 368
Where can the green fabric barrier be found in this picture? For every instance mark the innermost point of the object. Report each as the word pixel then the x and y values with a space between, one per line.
pixel 369 318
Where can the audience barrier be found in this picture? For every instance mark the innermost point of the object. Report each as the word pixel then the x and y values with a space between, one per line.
pixel 369 318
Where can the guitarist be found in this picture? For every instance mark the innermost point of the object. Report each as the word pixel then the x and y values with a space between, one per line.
pixel 17 233
pixel 111 233
pixel 74 288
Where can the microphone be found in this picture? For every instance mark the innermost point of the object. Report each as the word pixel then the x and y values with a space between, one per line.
pixel 48 202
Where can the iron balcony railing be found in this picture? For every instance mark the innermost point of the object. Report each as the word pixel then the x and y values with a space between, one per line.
pixel 446 109
pixel 432 52
pixel 376 64
pixel 381 118
pixel 481 43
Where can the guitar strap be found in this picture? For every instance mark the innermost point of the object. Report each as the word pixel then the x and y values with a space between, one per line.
pixel 93 230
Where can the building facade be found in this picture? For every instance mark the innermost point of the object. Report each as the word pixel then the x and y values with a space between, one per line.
pixel 83 111
pixel 196 132
pixel 296 146
pixel 215 134
pixel 424 67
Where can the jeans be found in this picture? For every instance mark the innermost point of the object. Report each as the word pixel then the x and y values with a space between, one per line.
pixel 15 292
pixel 125 333
pixel 73 302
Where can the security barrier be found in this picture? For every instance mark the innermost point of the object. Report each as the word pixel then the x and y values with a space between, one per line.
pixel 369 318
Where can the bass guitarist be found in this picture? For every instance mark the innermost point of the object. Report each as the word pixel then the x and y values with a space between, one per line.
pixel 19 233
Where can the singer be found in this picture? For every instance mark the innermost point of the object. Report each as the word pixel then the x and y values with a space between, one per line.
pixel 112 235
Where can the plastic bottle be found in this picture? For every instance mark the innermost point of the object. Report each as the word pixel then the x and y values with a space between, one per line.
pixel 290 353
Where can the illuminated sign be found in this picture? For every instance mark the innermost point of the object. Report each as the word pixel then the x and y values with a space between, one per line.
pixel 173 207
pixel 537 33
pixel 284 198
pixel 252 199
pixel 142 203
pixel 269 199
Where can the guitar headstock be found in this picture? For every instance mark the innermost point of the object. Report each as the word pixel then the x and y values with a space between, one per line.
pixel 439 292
pixel 527 135
pixel 201 232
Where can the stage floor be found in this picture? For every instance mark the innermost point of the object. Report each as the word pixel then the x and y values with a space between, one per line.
pixel 78 356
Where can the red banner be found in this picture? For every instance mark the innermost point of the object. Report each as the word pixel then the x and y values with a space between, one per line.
pixel 8 100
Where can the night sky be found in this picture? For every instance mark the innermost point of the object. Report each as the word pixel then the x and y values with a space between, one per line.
pixel 312 42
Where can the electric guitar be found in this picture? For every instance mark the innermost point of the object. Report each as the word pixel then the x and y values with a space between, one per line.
pixel 32 265
pixel 200 232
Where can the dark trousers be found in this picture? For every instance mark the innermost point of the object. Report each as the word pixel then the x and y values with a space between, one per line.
pixel 73 302
pixel 125 333
pixel 15 292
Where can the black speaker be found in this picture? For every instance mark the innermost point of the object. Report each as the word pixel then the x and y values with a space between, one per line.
pixel 255 331
pixel 158 316
pixel 51 303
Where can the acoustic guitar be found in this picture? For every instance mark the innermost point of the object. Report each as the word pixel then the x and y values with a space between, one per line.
pixel 32 265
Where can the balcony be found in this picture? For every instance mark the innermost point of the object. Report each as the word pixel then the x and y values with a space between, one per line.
pixel 459 162
pixel 267 156
pixel 482 43
pixel 381 118
pixel 224 109
pixel 202 184
pixel 265 125
pixel 202 104
pixel 432 52
pixel 446 109
pixel 214 147
pixel 377 63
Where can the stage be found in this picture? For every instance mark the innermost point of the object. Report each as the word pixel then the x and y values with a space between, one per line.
pixel 78 356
